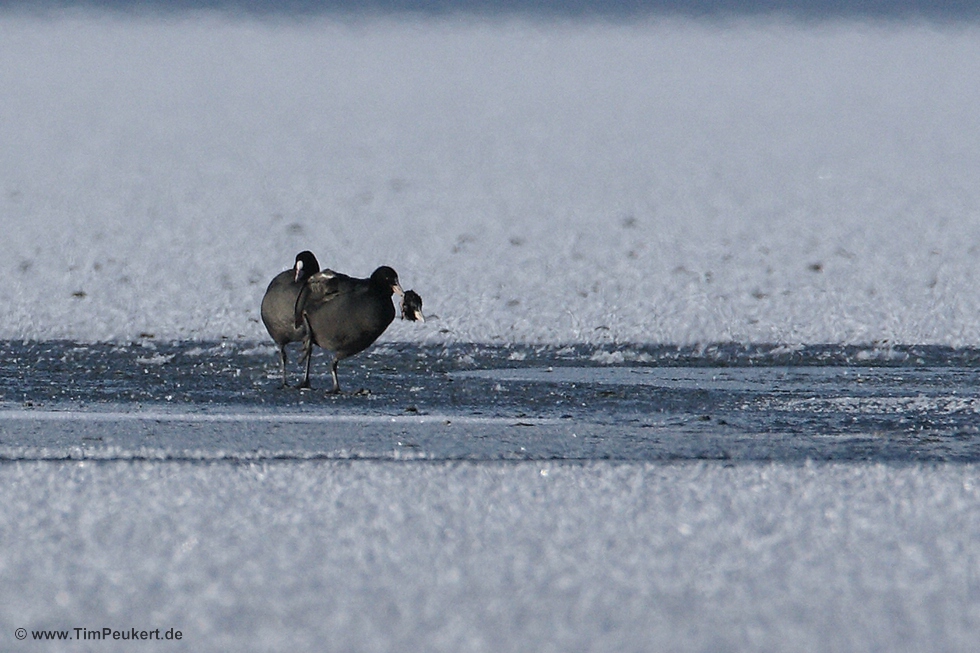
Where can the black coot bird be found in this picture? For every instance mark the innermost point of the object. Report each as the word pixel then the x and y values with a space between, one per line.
pixel 345 315
pixel 279 305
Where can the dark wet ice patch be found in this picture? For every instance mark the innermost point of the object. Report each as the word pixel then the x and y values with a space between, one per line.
pixel 222 402
pixel 773 379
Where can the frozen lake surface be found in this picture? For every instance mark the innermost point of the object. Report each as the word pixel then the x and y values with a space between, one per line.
pixel 558 182
pixel 479 498
pixel 222 401
pixel 458 556
pixel 578 184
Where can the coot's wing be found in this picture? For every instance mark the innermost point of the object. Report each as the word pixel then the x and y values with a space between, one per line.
pixel 319 289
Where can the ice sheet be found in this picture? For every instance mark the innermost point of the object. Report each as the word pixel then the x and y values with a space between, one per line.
pixel 604 185
pixel 506 557
pixel 224 403
pixel 535 181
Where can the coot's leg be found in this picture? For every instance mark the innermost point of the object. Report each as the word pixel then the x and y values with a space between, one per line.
pixel 282 364
pixel 307 353
pixel 333 373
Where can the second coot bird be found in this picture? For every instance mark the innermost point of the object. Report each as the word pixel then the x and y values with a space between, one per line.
pixel 279 305
pixel 345 315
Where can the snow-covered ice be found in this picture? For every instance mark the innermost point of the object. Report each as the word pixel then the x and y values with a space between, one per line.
pixel 571 181
pixel 607 185
pixel 463 557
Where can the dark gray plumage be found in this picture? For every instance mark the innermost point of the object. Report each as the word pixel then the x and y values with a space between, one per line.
pixel 279 305
pixel 345 315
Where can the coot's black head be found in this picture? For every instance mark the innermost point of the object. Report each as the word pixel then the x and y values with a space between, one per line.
pixel 387 279
pixel 305 267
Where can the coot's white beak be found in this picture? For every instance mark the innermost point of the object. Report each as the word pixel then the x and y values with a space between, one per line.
pixel 397 287
pixel 298 268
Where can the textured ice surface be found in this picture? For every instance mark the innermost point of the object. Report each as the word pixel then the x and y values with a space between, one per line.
pixel 665 181
pixel 505 557
pixel 223 403
pixel 467 502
